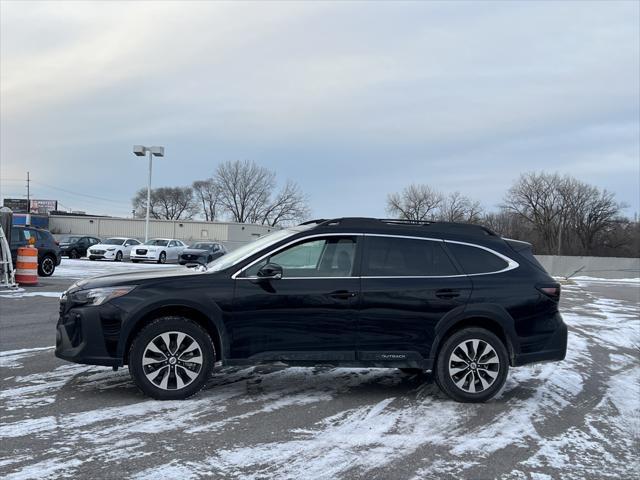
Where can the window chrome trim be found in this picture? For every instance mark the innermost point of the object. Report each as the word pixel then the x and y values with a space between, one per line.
pixel 511 264
pixel 281 247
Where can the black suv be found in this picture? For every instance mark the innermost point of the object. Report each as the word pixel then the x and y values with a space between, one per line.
pixel 453 299
pixel 48 251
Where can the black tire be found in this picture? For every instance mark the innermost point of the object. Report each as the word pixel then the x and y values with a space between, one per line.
pixel 119 256
pixel 162 258
pixel 470 383
pixel 135 261
pixel 92 259
pixel 170 391
pixel 74 254
pixel 47 266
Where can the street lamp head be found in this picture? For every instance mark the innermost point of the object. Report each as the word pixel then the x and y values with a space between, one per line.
pixel 157 151
pixel 139 150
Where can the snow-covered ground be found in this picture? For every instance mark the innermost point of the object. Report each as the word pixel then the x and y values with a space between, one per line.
pixel 575 419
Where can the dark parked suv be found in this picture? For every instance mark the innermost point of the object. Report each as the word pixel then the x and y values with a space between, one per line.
pixel 453 299
pixel 48 251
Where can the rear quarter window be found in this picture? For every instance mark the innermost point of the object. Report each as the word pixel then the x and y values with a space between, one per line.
pixel 476 260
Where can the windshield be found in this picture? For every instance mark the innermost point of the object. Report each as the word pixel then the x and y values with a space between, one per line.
pixel 202 246
pixel 69 239
pixel 157 242
pixel 249 249
pixel 113 241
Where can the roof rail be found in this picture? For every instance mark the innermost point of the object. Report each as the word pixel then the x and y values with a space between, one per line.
pixel 449 227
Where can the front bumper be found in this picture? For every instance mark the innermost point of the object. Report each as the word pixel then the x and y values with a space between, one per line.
pixel 89 335
pixel 549 347
pixel 149 257
pixel 107 255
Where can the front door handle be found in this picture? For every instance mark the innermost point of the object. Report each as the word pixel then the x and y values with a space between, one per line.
pixel 343 294
pixel 447 293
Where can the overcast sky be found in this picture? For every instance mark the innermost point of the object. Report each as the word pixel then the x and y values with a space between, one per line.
pixel 352 100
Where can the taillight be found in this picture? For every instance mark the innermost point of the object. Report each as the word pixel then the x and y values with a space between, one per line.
pixel 551 290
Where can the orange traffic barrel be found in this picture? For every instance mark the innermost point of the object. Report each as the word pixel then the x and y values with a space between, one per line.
pixel 27 266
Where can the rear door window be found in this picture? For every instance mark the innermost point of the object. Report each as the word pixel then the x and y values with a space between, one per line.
pixel 476 260
pixel 406 257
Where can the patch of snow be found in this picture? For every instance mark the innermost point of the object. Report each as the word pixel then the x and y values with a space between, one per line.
pixel 9 358
pixel 25 294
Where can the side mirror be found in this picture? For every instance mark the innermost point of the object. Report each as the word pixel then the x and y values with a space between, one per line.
pixel 271 271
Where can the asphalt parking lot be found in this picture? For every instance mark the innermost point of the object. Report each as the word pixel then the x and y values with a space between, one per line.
pixel 575 419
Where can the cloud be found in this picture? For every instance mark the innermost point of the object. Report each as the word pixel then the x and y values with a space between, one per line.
pixel 352 99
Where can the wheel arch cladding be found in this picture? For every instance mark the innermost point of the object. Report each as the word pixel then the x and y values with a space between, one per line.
pixel 192 313
pixel 496 324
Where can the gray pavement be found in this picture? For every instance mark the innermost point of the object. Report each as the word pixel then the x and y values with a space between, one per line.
pixel 575 419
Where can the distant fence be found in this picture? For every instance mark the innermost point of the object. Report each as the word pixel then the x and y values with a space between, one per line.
pixel 599 267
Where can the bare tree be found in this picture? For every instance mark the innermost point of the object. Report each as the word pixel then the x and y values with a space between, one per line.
pixel 208 194
pixel 288 206
pixel 415 202
pixel 567 214
pixel 167 203
pixel 538 198
pixel 247 193
pixel 456 207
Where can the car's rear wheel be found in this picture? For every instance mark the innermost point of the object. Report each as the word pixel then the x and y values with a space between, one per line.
pixel 119 256
pixel 47 266
pixel 171 358
pixel 472 365
pixel 162 258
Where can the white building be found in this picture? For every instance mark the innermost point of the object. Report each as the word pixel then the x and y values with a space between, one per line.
pixel 231 235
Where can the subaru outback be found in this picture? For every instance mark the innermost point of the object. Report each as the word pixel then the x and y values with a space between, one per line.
pixel 455 300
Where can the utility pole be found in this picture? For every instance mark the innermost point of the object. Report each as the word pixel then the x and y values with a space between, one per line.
pixel 28 194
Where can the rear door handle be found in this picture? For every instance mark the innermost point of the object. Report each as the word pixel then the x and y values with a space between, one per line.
pixel 343 294
pixel 447 293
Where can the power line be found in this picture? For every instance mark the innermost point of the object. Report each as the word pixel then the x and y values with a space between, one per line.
pixel 81 194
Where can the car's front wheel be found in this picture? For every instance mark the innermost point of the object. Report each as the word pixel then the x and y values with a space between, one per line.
pixel 171 358
pixel 472 365
pixel 119 256
pixel 162 258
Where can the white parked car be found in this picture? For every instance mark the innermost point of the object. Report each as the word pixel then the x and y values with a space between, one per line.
pixel 115 248
pixel 160 250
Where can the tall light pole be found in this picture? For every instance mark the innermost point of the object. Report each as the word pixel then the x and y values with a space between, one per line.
pixel 140 151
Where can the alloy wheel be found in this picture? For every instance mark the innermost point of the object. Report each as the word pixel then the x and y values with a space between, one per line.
pixel 474 365
pixel 172 360
pixel 47 266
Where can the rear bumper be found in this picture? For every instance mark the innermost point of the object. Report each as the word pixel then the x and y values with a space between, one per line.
pixel 550 347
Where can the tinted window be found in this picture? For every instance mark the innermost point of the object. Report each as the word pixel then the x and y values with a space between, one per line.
pixel 114 241
pixel 327 257
pixel 476 260
pixel 17 235
pixel 393 256
pixel 157 243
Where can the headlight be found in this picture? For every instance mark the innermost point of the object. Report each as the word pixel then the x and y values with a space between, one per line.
pixel 111 249
pixel 98 296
